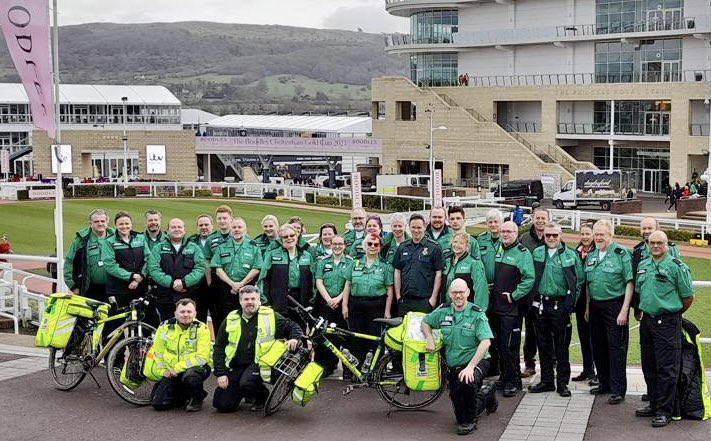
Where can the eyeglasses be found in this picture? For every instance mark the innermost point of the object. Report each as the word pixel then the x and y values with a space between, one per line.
pixel 457 293
pixel 373 244
pixel 508 231
pixel 551 235
pixel 289 236
pixel 656 243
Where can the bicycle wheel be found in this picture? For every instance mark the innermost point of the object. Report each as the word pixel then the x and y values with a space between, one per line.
pixel 67 366
pixel 288 368
pixel 131 351
pixel 390 384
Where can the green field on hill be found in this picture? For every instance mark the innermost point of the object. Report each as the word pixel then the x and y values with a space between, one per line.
pixel 30 227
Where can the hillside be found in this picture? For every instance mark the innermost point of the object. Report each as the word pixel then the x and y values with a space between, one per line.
pixel 228 68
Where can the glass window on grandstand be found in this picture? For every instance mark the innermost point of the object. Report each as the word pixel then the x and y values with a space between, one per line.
pixel 434 69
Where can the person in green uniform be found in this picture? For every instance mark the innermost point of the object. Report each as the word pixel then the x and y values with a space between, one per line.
pixel 125 258
pixel 466 337
pixel 461 265
pixel 438 230
pixel 584 247
pixel 333 275
pixel 532 240
pixel 323 248
pixel 205 301
pixel 609 280
pixel 418 267
pixel 153 231
pixel 84 269
pixel 298 224
pixel 559 278
pixel 286 270
pixel 457 223
pixel 489 243
pixel 398 234
pixel 270 232
pixel 237 262
pixel 370 296
pixel 664 285
pixel 177 267
pixel 373 225
pixel 358 216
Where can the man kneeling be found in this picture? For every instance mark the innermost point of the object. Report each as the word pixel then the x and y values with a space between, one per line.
pixel 181 355
pixel 243 338
pixel 466 337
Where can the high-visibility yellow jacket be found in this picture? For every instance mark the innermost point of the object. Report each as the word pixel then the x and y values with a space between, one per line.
pixel 179 348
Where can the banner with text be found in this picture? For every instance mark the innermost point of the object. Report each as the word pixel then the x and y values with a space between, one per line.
pixel 25 25
pixel 4 161
pixel 356 191
pixel 155 160
pixel 437 185
pixel 65 153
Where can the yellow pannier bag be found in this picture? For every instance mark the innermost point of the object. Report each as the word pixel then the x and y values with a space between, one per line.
pixel 393 337
pixel 422 370
pixel 60 315
pixel 306 384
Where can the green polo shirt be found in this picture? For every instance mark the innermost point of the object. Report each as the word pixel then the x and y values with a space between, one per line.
pixel 152 243
pixel 662 285
pixel 488 246
pixel 237 259
pixel 214 240
pixel 462 331
pixel 334 274
pixel 350 236
pixel 370 281
pixel 444 239
pixel 553 283
pixel 294 264
pixel 475 269
pixel 418 263
pixel 673 250
pixel 607 277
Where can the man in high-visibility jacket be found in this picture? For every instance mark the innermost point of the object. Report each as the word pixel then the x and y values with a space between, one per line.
pixel 244 342
pixel 180 360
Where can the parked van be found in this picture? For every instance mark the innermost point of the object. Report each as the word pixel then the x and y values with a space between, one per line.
pixel 520 189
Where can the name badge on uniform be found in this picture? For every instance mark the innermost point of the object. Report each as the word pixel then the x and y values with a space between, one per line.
pixel 405 253
pixel 246 265
pixel 276 258
pixel 426 251
pixel 93 247
pixel 225 254
pixel 592 261
pixel 641 271
pixel 100 263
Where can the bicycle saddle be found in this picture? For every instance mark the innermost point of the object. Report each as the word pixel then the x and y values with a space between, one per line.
pixel 390 322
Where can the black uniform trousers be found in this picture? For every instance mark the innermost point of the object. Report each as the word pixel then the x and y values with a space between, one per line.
pixel 530 343
pixel 413 304
pixel 464 395
pixel 224 302
pixel 361 312
pixel 609 343
pixel 493 349
pixel 583 328
pixel 243 382
pixel 205 301
pixel 660 340
pixel 553 333
pixel 507 334
pixel 323 356
pixel 176 391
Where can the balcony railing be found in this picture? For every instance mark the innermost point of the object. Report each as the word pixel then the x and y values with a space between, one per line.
pixel 685 23
pixel 587 78
pixel 16 119
pixel 699 129
pixel 522 126
pixel 620 129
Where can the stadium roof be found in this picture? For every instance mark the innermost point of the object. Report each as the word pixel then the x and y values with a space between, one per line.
pixel 14 93
pixel 196 116
pixel 335 124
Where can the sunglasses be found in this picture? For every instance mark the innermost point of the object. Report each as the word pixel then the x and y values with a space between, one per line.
pixel 551 235
pixel 289 236
pixel 373 244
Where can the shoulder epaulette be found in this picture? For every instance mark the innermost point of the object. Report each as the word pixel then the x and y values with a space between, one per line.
pixel 640 245
pixel 483 233
pixel 522 247
pixel 677 261
pixel 672 244
pixel 620 250
pixel 253 242
pixel 477 308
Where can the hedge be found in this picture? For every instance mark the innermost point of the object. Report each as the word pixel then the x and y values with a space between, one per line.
pixel 673 235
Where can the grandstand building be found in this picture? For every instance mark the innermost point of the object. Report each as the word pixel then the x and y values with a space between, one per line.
pixel 532 87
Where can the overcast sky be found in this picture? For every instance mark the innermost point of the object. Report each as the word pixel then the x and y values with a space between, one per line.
pixel 369 15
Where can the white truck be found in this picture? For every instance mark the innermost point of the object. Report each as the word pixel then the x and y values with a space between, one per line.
pixel 390 183
pixel 593 187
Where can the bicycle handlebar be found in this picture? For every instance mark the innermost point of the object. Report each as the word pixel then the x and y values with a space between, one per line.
pixel 303 311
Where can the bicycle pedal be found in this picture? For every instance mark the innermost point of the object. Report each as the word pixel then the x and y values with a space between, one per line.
pixel 348 389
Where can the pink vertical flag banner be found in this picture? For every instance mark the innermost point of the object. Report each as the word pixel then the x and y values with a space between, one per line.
pixel 25 25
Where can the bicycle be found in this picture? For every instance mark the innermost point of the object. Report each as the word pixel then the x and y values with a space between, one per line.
pixel 85 350
pixel 384 372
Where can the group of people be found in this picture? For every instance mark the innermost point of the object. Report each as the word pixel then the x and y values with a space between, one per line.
pixel 692 189
pixel 479 290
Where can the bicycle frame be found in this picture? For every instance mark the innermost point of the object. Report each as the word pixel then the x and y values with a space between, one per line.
pixel 362 376
pixel 116 334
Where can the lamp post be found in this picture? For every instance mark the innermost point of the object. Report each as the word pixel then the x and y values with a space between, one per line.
pixel 125 145
pixel 432 162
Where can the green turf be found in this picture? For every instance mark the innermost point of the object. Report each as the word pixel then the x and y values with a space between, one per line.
pixel 30 225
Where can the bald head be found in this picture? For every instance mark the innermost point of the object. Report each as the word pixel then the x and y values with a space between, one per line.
pixel 647 226
pixel 658 244
pixel 458 294
pixel 176 230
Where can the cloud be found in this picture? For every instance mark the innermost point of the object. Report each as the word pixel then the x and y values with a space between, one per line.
pixel 369 18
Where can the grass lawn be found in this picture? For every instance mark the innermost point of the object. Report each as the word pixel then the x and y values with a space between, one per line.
pixel 30 226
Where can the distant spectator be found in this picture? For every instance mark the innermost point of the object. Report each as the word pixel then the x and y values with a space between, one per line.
pixel 5 247
pixel 685 193
pixel 517 215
